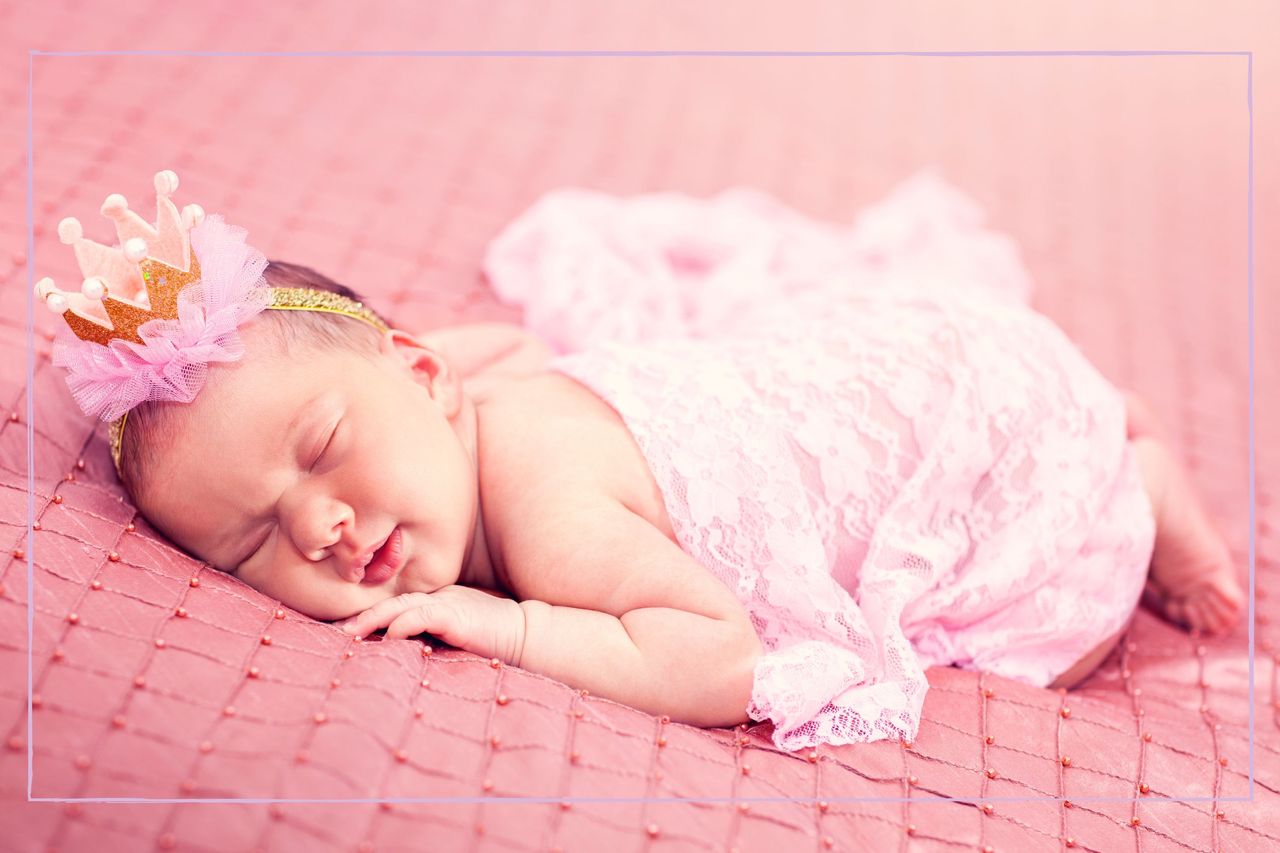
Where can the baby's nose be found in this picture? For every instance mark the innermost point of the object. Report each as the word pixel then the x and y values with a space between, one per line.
pixel 326 528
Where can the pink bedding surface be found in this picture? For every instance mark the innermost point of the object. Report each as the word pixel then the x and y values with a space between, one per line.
pixel 1124 179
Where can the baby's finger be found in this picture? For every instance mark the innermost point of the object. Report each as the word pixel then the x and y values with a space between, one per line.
pixel 381 613
pixel 429 617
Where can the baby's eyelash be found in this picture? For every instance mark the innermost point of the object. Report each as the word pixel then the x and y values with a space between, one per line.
pixel 327 445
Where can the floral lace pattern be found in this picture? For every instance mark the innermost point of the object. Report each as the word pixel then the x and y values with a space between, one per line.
pixel 894 465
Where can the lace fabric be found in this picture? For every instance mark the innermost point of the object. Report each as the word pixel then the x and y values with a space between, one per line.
pixel 890 458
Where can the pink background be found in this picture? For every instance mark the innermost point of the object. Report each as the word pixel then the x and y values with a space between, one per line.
pixel 1123 179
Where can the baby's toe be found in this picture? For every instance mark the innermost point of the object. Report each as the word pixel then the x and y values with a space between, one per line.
pixel 1217 620
pixel 1226 606
pixel 1235 593
pixel 1196 617
pixel 1175 610
pixel 1153 598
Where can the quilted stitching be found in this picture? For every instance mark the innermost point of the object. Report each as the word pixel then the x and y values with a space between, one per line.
pixel 1123 180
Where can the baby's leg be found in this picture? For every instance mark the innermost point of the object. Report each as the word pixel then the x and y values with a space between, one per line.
pixel 1089 662
pixel 1192 580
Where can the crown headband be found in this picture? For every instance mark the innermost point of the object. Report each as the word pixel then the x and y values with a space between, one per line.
pixel 154 312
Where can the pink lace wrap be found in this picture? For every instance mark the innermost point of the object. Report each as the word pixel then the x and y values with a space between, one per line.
pixel 172 363
pixel 866 433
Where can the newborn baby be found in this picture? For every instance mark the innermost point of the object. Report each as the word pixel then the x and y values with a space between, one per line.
pixel 449 483
pixel 787 516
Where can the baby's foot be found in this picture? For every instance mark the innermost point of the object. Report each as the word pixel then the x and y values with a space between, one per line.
pixel 1192 580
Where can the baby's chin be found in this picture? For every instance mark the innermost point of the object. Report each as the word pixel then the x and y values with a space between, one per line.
pixel 379 595
pixel 353 599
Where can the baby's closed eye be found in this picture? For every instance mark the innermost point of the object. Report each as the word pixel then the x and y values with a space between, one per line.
pixel 328 442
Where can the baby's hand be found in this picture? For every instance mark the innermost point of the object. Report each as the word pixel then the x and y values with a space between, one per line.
pixel 462 616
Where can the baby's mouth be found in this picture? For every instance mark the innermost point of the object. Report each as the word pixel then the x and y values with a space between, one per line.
pixel 386 560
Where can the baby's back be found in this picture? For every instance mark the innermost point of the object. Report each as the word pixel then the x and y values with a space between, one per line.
pixel 826 424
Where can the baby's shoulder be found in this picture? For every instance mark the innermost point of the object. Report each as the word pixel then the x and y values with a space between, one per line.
pixel 548 449
pixel 550 434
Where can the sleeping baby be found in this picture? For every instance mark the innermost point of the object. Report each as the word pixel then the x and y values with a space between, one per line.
pixel 760 521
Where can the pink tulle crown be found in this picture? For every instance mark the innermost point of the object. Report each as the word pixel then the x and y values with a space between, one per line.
pixel 157 310
pixel 173 295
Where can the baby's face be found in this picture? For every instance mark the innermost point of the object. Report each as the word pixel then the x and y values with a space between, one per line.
pixel 289 470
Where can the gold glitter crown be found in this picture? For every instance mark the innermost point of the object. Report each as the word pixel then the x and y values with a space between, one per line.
pixel 138 281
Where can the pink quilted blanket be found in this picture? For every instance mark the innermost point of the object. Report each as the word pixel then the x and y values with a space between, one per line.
pixel 1124 180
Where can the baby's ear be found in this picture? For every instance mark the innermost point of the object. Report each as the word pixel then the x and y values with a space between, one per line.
pixel 428 366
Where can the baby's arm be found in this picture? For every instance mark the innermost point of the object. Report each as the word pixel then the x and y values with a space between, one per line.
pixel 663 660
pixel 631 617
pixel 612 605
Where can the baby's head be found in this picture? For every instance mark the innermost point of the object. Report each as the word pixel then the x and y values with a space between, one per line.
pixel 326 441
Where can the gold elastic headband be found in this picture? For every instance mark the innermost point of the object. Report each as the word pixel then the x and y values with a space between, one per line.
pixel 282 299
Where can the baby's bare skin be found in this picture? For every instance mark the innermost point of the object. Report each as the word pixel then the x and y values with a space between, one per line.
pixel 487 355
pixel 1192 579
pixel 579 533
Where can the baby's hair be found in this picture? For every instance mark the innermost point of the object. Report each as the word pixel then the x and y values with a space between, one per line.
pixel 154 422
